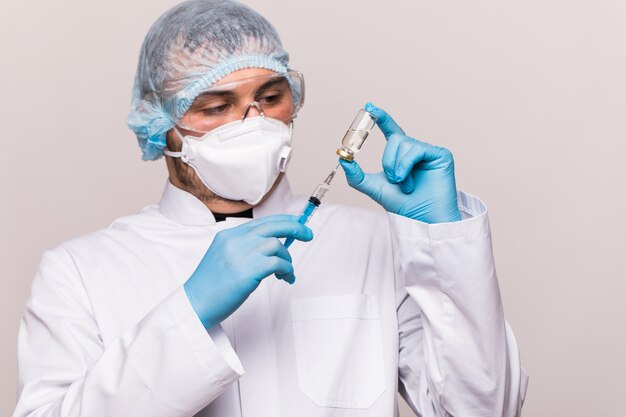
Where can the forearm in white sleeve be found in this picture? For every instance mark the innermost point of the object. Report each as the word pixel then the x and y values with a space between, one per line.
pixel 458 356
pixel 165 365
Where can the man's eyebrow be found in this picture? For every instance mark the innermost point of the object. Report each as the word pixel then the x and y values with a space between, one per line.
pixel 218 93
pixel 272 83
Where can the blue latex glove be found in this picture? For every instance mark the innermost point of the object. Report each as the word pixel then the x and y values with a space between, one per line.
pixel 417 180
pixel 236 263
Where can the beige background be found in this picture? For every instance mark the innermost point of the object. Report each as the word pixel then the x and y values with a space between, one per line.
pixel 530 96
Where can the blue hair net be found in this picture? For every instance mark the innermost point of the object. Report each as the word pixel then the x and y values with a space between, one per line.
pixel 188 49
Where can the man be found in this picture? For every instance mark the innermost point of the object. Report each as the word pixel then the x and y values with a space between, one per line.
pixel 168 312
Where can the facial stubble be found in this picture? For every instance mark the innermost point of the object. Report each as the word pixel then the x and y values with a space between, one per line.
pixel 188 178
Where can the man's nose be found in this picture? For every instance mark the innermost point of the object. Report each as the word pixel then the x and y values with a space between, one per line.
pixel 252 109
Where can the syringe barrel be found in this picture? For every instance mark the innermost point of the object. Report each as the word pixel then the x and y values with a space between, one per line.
pixel 355 137
pixel 304 217
pixel 320 191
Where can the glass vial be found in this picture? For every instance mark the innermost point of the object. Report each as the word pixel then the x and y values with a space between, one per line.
pixel 355 137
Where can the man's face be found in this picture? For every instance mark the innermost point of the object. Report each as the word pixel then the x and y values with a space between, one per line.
pixel 225 102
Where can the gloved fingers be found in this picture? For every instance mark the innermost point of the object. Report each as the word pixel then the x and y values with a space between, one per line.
pixel 390 156
pixel 290 278
pixel 384 121
pixel 284 228
pixel 419 152
pixel 404 149
pixel 274 247
pixel 269 219
pixel 408 185
pixel 442 159
pixel 359 180
pixel 280 268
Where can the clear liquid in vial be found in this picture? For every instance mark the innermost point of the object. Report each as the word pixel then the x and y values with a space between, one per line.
pixel 353 140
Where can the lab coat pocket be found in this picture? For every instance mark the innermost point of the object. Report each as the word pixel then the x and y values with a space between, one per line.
pixel 339 349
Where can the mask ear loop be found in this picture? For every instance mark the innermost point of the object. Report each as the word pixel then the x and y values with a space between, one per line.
pixel 172 153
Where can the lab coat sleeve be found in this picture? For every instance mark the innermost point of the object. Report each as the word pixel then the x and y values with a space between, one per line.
pixel 457 355
pixel 165 365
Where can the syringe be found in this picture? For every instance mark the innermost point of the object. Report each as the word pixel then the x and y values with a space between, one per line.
pixel 314 202
pixel 352 142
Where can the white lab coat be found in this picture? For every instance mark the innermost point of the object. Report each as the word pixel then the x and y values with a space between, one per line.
pixel 381 303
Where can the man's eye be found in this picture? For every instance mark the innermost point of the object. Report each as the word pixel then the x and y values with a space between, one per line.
pixel 216 110
pixel 270 99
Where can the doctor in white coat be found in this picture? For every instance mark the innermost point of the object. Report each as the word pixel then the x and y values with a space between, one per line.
pixel 168 313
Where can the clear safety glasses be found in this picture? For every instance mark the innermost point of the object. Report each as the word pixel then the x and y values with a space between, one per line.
pixel 278 96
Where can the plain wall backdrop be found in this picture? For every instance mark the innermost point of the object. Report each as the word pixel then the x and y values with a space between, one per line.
pixel 529 95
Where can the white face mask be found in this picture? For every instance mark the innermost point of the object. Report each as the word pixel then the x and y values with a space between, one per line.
pixel 240 160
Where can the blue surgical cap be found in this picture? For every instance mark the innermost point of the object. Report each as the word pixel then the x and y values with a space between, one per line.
pixel 188 49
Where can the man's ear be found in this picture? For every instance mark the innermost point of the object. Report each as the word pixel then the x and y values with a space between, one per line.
pixel 172 141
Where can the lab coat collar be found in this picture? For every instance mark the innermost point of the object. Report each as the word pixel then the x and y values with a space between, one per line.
pixel 184 208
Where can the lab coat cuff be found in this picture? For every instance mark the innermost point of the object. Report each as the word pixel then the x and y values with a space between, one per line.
pixel 474 223
pixel 212 348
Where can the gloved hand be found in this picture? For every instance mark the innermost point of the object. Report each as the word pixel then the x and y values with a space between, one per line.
pixel 417 180
pixel 236 263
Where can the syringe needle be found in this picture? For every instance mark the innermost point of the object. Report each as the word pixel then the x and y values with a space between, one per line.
pixel 314 202
pixel 331 175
